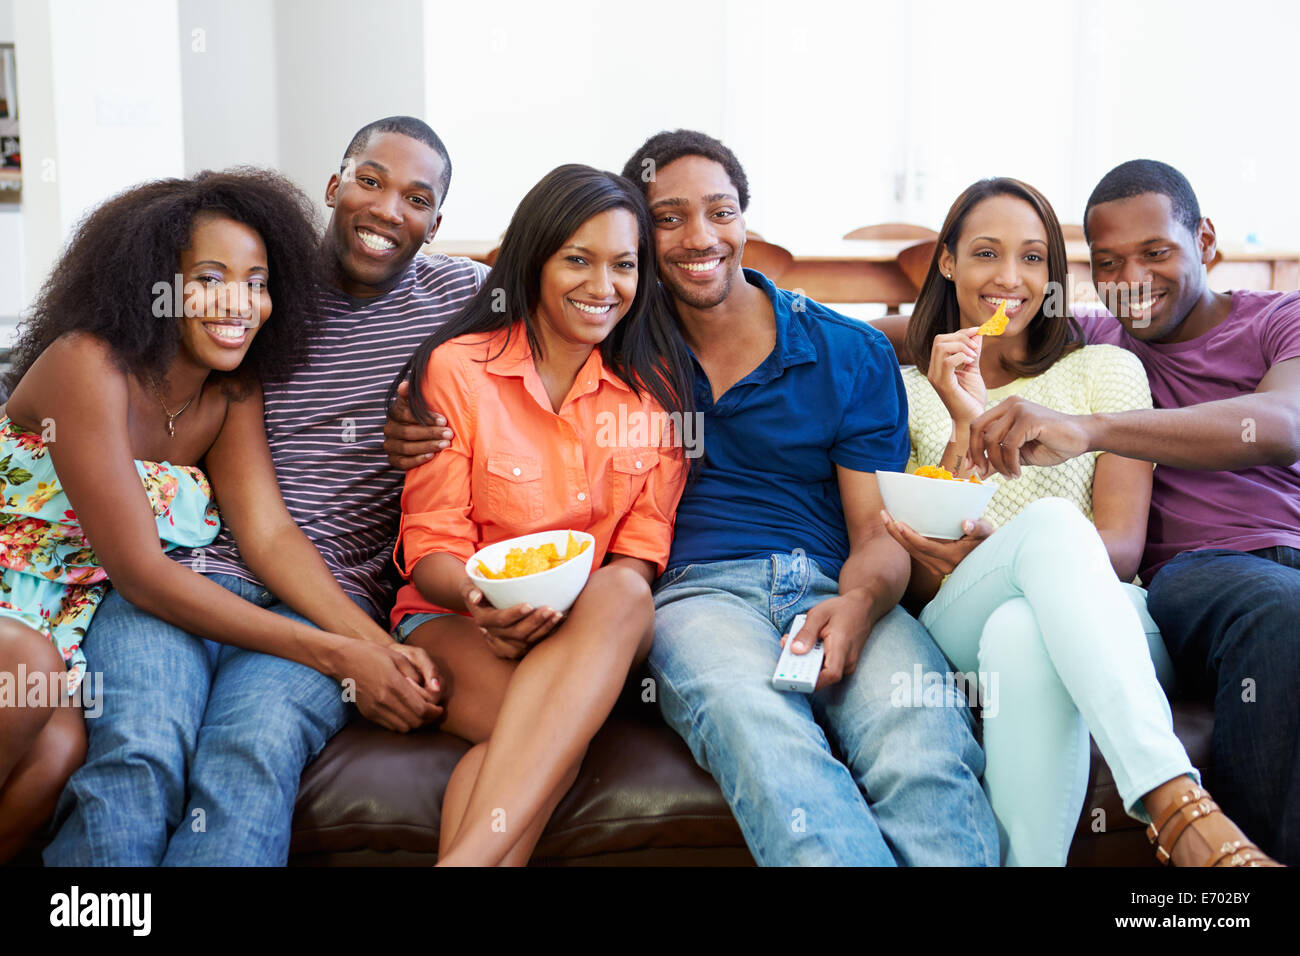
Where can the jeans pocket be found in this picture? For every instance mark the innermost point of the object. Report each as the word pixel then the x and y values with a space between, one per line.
pixel 672 576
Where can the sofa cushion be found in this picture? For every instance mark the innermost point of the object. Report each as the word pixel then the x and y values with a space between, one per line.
pixel 373 796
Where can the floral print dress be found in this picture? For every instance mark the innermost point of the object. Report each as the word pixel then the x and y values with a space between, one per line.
pixel 50 578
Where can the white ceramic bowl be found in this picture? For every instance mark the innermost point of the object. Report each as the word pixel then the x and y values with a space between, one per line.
pixel 931 506
pixel 557 588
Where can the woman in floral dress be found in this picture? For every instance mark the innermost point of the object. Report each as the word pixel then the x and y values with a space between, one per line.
pixel 144 356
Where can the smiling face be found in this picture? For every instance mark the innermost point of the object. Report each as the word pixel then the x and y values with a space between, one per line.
pixel 589 284
pixel 1000 255
pixel 699 230
pixel 385 208
pixel 226 298
pixel 1146 265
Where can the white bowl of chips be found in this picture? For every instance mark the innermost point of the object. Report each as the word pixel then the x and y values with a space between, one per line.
pixel 535 576
pixel 933 507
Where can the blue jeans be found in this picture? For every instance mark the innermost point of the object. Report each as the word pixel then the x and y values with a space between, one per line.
pixel 1231 621
pixel 842 776
pixel 196 757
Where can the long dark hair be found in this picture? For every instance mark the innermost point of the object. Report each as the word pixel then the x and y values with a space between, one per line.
pixel 1049 335
pixel 104 283
pixel 645 349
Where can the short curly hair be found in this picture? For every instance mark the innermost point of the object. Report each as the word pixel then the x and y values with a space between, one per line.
pixel 1138 176
pixel 104 283
pixel 416 129
pixel 662 148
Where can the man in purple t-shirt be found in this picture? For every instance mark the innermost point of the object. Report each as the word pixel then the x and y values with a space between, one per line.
pixel 1222 562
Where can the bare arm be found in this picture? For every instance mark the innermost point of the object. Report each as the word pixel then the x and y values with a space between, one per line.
pixel 877 568
pixel 871 581
pixel 87 395
pixel 1121 499
pixel 95 466
pixel 1262 428
pixel 271 544
pixel 407 443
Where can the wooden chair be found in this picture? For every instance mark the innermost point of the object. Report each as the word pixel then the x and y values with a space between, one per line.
pixel 892 230
pixel 915 262
pixel 767 257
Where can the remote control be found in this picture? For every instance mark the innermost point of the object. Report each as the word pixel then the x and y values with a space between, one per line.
pixel 798 671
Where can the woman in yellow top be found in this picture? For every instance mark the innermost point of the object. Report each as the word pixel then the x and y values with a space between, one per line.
pixel 1032 596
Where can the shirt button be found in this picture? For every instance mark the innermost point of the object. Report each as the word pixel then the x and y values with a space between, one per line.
pixel 638 466
pixel 517 472
pixel 582 496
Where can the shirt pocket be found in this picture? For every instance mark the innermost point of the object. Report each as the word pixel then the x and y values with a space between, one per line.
pixel 629 470
pixel 514 489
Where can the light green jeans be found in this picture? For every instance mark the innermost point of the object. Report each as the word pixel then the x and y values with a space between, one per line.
pixel 1061 648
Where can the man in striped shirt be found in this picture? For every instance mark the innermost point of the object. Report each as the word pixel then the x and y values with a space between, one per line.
pixel 178 781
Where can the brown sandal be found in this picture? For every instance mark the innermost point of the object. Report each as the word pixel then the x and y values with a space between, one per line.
pixel 1193 805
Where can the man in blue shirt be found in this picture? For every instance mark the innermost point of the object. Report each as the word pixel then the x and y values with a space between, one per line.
pixel 801 407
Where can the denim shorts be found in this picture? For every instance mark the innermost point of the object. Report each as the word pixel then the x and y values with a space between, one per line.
pixel 406 627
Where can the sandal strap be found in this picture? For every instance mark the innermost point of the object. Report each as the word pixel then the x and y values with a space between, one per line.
pixel 1187 812
pixel 1191 795
pixel 1238 853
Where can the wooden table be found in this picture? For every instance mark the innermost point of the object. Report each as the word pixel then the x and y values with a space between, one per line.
pixel 867 270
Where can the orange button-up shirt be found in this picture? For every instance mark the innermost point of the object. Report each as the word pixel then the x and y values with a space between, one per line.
pixel 602 464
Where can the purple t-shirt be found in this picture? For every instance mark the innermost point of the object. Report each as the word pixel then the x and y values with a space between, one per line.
pixel 1243 510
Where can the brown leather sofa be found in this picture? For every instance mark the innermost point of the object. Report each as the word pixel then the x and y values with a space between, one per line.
pixel 373 798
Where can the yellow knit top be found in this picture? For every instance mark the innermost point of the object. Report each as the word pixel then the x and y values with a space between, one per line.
pixel 1094 378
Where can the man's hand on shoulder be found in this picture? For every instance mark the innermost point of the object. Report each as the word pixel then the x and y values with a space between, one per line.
pixel 407 442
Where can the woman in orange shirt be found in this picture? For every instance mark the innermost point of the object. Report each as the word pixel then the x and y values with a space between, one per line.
pixel 568 337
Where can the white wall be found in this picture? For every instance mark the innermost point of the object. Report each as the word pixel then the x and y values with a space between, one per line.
pixel 342 64
pixel 1209 87
pixel 101 111
pixel 843 114
pixel 515 90
pixel 1058 94
pixel 229 84
pixel 849 114
pixel 11 223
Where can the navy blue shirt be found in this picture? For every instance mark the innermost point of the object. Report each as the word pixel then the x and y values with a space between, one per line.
pixel 830 393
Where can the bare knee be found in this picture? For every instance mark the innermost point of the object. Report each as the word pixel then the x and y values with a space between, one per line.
pixel 24 652
pixel 626 586
pixel 62 746
pixel 627 590
pixel 20 644
pixel 55 755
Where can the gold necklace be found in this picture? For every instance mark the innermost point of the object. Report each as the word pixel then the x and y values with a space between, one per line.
pixel 172 416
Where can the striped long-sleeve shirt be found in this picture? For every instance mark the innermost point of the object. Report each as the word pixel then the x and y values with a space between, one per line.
pixel 325 426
